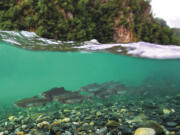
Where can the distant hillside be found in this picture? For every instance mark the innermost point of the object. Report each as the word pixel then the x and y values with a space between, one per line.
pixel 80 20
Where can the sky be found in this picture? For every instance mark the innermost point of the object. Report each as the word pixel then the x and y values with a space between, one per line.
pixel 169 10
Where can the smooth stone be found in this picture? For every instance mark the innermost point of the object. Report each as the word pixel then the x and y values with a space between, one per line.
pixel 6 132
pixel 85 125
pixel 126 131
pixel 55 129
pixel 112 123
pixel 24 126
pixel 75 123
pixel 145 131
pixel 177 133
pixel 98 114
pixel 43 124
pixel 91 123
pixel 114 118
pixel 101 131
pixel 154 125
pixel 20 133
pixel 67 133
pixel 171 124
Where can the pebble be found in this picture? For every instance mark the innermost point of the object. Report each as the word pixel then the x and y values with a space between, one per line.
pixel 11 118
pixel 172 133
pixel 94 120
pixel 145 131
pixel 43 124
pixel 101 131
pixel 20 133
pixel 6 132
pixel 59 121
pixel 24 126
pixel 67 133
pixel 167 111
pixel 91 123
pixel 171 124
pixel 98 114
pixel 75 123
pixel 66 120
pixel 112 124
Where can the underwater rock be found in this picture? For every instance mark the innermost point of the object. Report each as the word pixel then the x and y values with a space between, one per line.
pixel 177 97
pixel 11 118
pixel 171 124
pixel 85 126
pixel 98 114
pixel 145 131
pixel 43 124
pixel 138 119
pixel 167 111
pixel 67 133
pixel 31 102
pixel 21 133
pixel 24 126
pixel 101 131
pixel 59 121
pixel 177 133
pixel 91 123
pixel 160 130
pixel 112 124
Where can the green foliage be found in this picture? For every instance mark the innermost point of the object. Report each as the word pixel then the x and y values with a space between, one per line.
pixel 82 20
pixel 176 32
pixel 161 21
pixel 124 22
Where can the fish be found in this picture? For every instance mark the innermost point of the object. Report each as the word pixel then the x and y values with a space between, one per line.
pixel 105 90
pixel 70 98
pixel 31 102
pixel 113 85
pixel 50 94
pixel 91 87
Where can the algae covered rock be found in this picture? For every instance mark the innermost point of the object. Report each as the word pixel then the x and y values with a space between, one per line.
pixel 43 124
pixel 112 124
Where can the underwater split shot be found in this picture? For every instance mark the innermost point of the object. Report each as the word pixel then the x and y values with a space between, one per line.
pixel 69 93
pixel 89 67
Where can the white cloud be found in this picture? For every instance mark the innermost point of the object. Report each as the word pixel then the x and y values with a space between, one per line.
pixel 169 10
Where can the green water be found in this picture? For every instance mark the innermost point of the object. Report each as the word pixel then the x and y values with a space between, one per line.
pixel 26 73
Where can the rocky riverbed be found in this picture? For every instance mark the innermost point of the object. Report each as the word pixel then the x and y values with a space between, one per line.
pixel 118 115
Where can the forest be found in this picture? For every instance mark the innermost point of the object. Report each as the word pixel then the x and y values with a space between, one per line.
pixel 82 20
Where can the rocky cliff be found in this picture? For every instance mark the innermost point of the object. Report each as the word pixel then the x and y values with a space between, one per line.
pixel 80 20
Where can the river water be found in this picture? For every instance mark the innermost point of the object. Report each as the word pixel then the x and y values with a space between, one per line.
pixel 150 96
pixel 26 73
